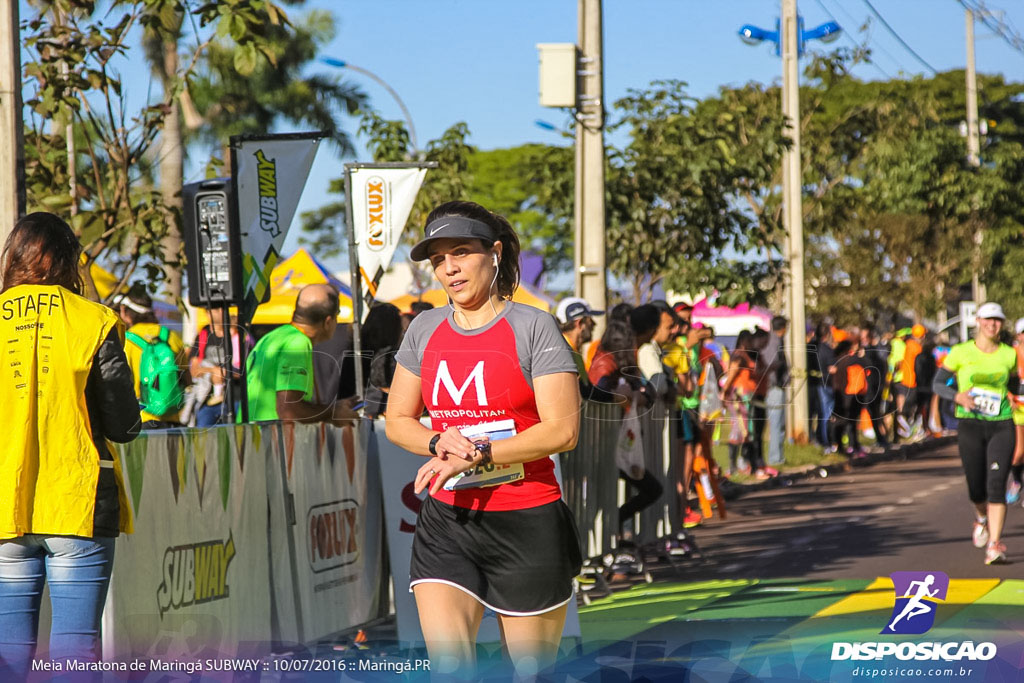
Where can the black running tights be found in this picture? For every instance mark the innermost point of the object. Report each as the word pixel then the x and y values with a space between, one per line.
pixel 986 451
pixel 648 490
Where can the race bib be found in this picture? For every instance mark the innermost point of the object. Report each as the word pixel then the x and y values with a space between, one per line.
pixel 492 474
pixel 986 401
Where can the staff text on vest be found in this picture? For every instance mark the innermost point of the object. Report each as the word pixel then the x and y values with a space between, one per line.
pixel 21 306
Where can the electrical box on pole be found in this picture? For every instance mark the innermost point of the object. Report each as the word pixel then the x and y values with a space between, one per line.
pixel 558 64
pixel 212 243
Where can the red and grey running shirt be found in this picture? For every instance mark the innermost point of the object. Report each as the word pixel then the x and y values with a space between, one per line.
pixel 472 377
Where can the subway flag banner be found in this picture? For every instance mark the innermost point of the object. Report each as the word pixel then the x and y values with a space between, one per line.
pixel 270 173
pixel 382 198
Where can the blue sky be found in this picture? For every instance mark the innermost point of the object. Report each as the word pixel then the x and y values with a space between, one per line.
pixel 476 60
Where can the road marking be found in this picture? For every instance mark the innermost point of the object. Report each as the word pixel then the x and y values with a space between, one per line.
pixel 904 501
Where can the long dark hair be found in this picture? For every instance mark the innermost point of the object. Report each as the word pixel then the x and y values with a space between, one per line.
pixel 383 327
pixel 42 250
pixel 619 341
pixel 508 267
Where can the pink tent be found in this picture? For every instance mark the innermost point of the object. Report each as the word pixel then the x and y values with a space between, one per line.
pixel 729 322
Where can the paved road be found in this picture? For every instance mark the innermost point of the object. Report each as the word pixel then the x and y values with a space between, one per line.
pixel 900 515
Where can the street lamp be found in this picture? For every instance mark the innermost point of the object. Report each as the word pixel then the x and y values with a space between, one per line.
pixel 755 35
pixel 342 64
pixel 789 37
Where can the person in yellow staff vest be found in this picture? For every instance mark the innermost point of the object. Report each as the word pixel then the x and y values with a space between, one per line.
pixel 157 358
pixel 67 388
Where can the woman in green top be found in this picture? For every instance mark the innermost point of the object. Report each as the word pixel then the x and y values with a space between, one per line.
pixel 986 373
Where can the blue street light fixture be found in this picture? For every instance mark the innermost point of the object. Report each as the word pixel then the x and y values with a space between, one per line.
pixel 826 33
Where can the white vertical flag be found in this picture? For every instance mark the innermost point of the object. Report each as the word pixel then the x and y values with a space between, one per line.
pixel 270 173
pixel 381 200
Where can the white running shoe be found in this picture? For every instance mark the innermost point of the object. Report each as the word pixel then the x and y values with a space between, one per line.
pixel 996 553
pixel 980 535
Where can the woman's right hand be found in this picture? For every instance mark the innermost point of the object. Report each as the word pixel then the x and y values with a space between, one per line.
pixel 453 443
pixel 440 470
pixel 966 400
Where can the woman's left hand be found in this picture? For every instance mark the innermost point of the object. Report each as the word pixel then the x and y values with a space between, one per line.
pixel 444 468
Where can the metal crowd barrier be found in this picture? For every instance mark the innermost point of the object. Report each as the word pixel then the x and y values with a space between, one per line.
pixel 591 485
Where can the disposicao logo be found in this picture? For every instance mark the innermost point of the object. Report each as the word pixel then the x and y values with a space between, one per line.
pixel 917 596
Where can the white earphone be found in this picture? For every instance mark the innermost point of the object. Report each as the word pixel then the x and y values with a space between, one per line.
pixel 495 260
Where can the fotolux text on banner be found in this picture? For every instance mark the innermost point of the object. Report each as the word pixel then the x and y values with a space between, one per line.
pixel 382 198
pixel 269 172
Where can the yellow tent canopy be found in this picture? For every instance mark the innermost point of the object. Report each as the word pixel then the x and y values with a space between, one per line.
pixel 287 278
pixel 438 298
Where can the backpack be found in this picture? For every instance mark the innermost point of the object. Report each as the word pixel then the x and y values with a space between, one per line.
pixel 159 390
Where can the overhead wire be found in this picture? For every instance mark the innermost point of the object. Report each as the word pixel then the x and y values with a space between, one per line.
pixel 898 37
pixel 876 44
pixel 851 38
pixel 1000 27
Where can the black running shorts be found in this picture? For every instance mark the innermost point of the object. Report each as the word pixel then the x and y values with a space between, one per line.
pixel 516 562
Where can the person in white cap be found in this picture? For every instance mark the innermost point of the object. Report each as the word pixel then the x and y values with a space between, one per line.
pixel 576 321
pixel 986 375
pixel 1015 484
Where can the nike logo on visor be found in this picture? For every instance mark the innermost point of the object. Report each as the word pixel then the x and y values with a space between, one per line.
pixel 437 229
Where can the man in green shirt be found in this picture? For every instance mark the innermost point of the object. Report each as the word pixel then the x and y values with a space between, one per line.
pixel 279 371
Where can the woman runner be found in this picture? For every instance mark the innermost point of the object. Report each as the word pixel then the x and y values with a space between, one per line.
pixel 986 374
pixel 499 383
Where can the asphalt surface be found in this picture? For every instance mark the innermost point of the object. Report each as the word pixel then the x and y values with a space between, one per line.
pixel 900 515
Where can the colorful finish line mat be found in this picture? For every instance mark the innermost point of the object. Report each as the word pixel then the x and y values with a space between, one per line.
pixel 908 627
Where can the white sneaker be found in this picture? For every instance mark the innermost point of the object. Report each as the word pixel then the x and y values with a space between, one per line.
pixel 980 535
pixel 996 553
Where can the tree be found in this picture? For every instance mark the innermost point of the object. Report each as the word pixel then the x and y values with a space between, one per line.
pixel 532 186
pixel 325 228
pixel 904 240
pixel 673 212
pixel 71 78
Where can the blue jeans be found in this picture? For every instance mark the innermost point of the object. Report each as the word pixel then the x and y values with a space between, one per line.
pixel 208 416
pixel 827 400
pixel 78 571
pixel 775 403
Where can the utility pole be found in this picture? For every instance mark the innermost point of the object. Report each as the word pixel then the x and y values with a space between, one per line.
pixel 12 142
pixel 973 139
pixel 590 210
pixel 793 219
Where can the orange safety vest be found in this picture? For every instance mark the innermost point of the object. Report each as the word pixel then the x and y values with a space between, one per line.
pixel 907 367
pixel 856 379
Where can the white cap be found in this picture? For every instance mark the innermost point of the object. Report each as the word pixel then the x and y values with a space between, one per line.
pixel 1020 326
pixel 990 310
pixel 574 308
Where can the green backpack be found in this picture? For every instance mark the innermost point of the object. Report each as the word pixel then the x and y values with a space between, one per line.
pixel 160 392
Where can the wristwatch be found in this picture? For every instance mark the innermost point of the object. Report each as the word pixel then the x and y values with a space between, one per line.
pixel 433 443
pixel 484 449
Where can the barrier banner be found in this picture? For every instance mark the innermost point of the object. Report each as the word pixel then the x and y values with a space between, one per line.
pixel 269 172
pixel 334 520
pixel 401 506
pixel 192 581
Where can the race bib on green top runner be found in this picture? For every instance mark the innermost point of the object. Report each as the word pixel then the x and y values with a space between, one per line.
pixel 986 401
pixel 492 474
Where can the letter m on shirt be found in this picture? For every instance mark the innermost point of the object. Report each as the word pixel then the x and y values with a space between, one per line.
pixel 476 377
